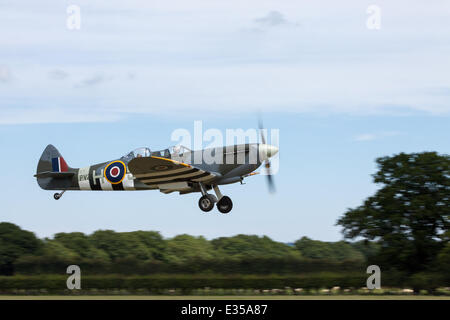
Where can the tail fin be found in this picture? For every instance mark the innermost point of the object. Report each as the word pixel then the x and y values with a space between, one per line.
pixel 51 160
pixel 53 173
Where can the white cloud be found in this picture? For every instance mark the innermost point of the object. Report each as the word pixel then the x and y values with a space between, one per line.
pixel 375 136
pixel 365 137
pixel 273 18
pixel 92 81
pixel 58 74
pixel 192 57
pixel 13 116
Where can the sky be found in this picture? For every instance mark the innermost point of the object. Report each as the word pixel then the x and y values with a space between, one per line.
pixel 340 93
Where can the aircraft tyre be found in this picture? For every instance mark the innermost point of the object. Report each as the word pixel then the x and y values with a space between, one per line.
pixel 57 196
pixel 205 203
pixel 225 205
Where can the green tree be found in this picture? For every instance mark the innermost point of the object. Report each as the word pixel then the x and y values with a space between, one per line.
pixel 56 250
pixel 252 246
pixel 153 241
pixel 368 249
pixel 80 244
pixel 408 214
pixel 332 251
pixel 444 260
pixel 183 248
pixel 120 245
pixel 14 243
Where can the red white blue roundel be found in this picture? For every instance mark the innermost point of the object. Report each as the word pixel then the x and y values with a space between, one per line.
pixel 115 172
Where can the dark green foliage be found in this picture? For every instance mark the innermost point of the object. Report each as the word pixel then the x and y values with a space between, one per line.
pixel 154 241
pixel 187 283
pixel 368 249
pixel 252 246
pixel 183 248
pixel 146 252
pixel 443 261
pixel 332 251
pixel 156 284
pixel 81 245
pixel 14 243
pixel 188 263
pixel 143 245
pixel 409 215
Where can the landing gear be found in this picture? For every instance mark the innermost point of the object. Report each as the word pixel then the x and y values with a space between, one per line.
pixel 225 205
pixel 58 196
pixel 206 203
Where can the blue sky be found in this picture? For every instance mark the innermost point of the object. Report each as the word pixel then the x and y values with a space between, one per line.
pixel 340 94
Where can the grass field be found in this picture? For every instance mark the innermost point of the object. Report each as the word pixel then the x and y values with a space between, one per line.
pixel 333 297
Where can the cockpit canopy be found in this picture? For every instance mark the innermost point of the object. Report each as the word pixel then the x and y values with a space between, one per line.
pixel 141 152
pixel 138 153
pixel 172 152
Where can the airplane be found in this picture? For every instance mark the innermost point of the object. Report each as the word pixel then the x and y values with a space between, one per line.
pixel 169 170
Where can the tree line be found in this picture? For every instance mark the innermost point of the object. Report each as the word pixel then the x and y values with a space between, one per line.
pixel 147 252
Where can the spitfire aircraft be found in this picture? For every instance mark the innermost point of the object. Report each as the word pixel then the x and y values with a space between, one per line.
pixel 169 170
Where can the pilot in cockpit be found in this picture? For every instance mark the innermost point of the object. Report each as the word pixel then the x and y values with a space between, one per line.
pixel 141 152
pixel 176 151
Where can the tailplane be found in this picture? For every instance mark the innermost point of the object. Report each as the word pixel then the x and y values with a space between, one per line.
pixel 53 173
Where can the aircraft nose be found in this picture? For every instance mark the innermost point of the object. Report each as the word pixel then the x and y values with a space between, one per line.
pixel 267 151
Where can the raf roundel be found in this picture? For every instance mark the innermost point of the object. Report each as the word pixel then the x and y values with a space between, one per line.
pixel 115 172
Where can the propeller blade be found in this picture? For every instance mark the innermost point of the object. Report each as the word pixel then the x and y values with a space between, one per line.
pixel 270 182
pixel 261 128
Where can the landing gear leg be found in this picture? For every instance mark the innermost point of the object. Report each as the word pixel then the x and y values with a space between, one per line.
pixel 224 205
pixel 58 196
pixel 218 193
pixel 206 202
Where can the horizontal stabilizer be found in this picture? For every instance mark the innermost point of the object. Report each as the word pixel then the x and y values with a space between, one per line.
pixel 56 175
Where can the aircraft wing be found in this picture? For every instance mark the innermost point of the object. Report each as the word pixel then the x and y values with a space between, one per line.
pixel 167 174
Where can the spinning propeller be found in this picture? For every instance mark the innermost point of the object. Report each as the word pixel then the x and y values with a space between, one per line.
pixel 267 151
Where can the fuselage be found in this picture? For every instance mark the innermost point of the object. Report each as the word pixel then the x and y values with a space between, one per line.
pixel 229 165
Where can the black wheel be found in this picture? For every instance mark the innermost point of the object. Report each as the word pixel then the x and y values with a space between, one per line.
pixel 205 203
pixel 57 196
pixel 225 205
